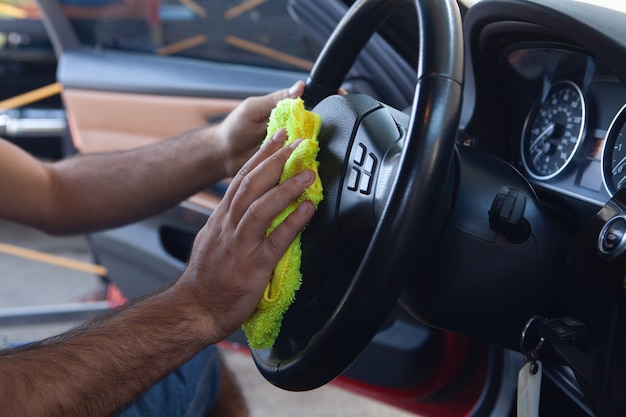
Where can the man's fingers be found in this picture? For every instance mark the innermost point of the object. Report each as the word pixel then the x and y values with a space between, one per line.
pixel 294 91
pixel 253 184
pixel 269 148
pixel 272 99
pixel 260 213
pixel 279 240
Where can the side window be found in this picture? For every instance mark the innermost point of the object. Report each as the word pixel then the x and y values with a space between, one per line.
pixel 248 32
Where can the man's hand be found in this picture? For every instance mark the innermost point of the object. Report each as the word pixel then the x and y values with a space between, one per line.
pixel 102 366
pixel 232 259
pixel 243 130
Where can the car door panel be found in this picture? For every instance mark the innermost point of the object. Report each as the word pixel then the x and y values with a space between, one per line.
pixel 116 100
pixel 152 118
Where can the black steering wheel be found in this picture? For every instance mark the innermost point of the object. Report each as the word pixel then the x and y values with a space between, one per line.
pixel 387 185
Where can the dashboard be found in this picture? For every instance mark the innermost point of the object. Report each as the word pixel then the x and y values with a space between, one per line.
pixel 568 122
pixel 545 93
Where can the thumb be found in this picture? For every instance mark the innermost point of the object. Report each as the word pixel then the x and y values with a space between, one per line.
pixel 294 91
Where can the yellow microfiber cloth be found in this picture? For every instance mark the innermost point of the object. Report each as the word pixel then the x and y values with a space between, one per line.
pixel 264 325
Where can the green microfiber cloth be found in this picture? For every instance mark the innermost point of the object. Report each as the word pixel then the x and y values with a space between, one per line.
pixel 264 325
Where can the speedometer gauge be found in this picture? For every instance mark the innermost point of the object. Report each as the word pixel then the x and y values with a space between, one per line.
pixel 614 156
pixel 553 131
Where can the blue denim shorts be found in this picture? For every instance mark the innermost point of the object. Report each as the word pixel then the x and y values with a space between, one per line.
pixel 189 391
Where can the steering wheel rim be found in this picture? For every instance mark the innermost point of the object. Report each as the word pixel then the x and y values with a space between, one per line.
pixel 422 172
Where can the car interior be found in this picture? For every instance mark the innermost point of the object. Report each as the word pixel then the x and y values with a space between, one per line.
pixel 474 216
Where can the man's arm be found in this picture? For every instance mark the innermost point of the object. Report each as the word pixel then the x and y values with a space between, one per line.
pixel 97 191
pixel 101 367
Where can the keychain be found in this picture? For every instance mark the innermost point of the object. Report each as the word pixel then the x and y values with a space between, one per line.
pixel 529 378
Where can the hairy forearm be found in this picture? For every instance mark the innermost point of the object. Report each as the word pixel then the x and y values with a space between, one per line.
pixel 98 191
pixel 97 369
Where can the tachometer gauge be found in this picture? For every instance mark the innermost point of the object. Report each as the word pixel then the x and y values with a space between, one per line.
pixel 614 156
pixel 554 131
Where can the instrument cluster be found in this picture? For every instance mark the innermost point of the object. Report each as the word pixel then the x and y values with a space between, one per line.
pixel 614 155
pixel 554 131
pixel 570 116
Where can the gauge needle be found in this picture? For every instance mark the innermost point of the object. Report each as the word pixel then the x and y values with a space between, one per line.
pixel 546 132
pixel 618 166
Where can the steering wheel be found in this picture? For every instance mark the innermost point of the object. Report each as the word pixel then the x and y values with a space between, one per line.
pixel 387 183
